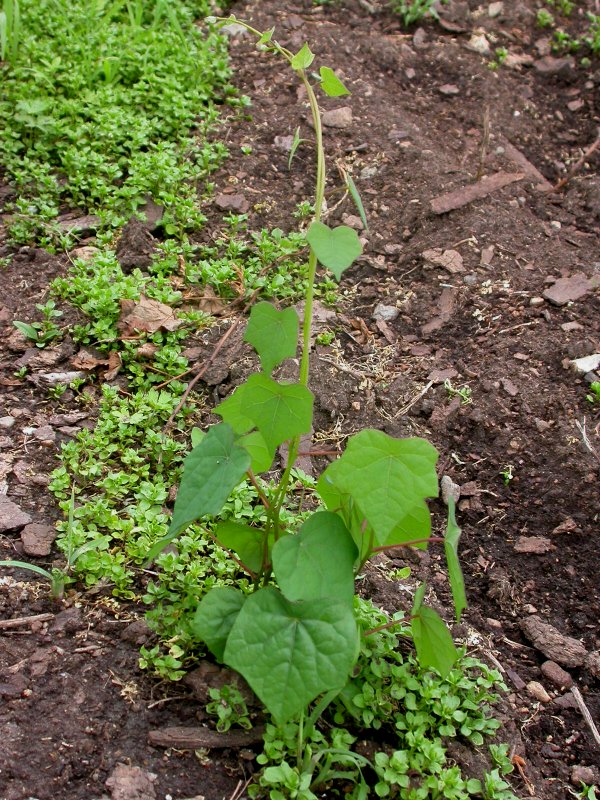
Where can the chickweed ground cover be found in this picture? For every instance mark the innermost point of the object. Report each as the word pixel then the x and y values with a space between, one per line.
pixel 102 107
pixel 97 109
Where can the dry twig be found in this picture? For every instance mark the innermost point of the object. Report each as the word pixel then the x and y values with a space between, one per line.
pixel 578 165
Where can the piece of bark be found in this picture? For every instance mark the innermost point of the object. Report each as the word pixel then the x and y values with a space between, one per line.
pixel 449 201
pixel 195 738
pixel 564 650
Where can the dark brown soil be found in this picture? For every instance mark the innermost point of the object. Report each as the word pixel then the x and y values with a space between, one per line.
pixel 75 702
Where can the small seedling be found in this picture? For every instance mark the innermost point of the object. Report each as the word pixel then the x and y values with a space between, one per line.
pixel 464 392
pixel 594 394
pixel 325 338
pixel 585 793
pixel 56 392
pixel 42 333
pixel 501 54
pixel 413 11
pixel 544 18
pixel 507 474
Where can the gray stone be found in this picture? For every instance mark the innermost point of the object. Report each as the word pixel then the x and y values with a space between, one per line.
pixel 385 313
pixel 587 363
pixel 7 422
pixel 11 516
pixel 338 117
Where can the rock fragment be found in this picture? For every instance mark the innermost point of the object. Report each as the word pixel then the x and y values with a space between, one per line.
pixel 450 260
pixel 587 363
pixel 385 313
pixel 11 516
pixel 536 545
pixel 581 774
pixel 564 650
pixel 592 662
pixel 38 539
pixel 232 202
pixel 131 783
pixel 537 691
pixel 338 117
pixel 556 675
pixel 566 290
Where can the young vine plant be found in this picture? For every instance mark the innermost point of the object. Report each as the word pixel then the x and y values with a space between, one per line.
pixel 294 637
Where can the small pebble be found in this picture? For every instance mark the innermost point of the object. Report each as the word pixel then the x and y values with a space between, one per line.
pixel 537 691
pixel 581 774
pixel 536 301
pixel 558 676
pixel 7 422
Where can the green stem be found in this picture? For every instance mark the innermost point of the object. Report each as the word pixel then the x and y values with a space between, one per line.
pixel 312 269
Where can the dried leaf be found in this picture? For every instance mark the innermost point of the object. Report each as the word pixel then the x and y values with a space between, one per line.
pixel 146 316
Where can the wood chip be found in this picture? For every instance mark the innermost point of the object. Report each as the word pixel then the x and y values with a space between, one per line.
pixel 195 738
pixel 474 191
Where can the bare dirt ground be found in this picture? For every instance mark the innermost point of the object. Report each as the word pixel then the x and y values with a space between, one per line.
pixel 499 294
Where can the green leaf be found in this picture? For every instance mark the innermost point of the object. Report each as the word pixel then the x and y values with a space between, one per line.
pixel 25 565
pixel 262 457
pixel 290 653
pixel 357 200
pixel 266 37
pixel 451 540
pixel 433 642
pixel 273 334
pixel 335 248
pixel 303 59
pixel 197 434
pixel 245 541
pixel 387 478
pixel 27 330
pixel 295 145
pixel 331 84
pixel 418 599
pixel 318 561
pixel 215 616
pixel 210 472
pixel 279 411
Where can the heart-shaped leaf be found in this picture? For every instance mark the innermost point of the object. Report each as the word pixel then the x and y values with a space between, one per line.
pixel 335 248
pixel 331 84
pixel 214 617
pixel 387 479
pixel 280 411
pixel 290 653
pixel 303 58
pixel 273 334
pixel 318 561
pixel 210 472
pixel 245 541
pixel 261 455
